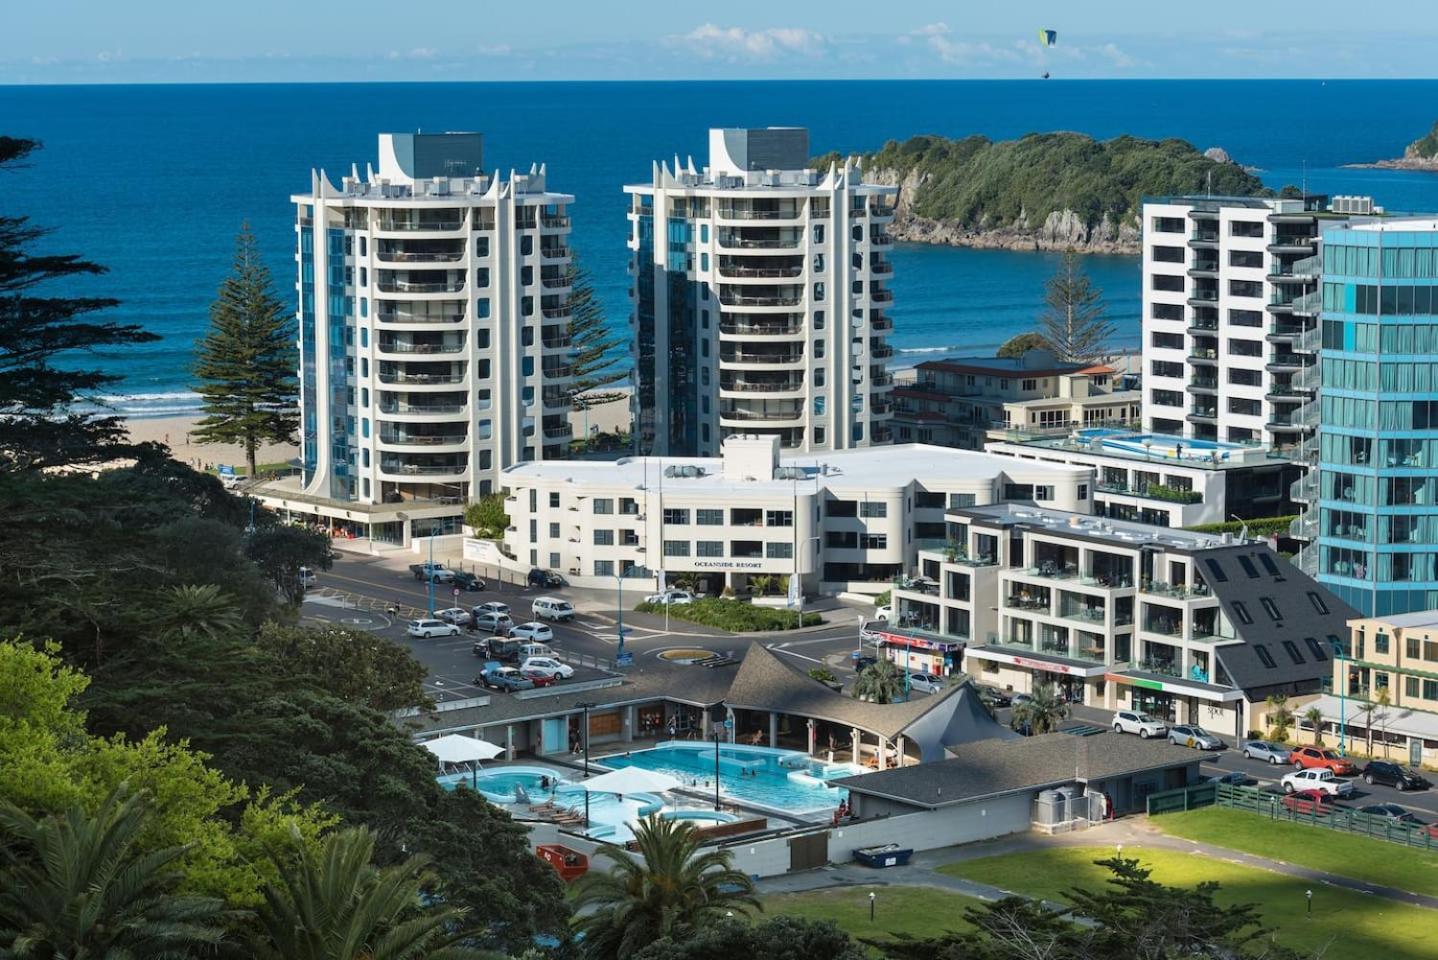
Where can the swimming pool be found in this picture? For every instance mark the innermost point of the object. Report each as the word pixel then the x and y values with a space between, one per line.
pixel 1159 445
pixel 700 818
pixel 507 784
pixel 786 781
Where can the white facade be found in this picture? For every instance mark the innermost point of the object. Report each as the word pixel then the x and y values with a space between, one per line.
pixel 847 520
pixel 758 299
pixel 434 327
pixel 1229 308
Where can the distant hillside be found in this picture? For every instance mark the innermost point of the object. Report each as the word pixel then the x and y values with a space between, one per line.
pixel 1421 154
pixel 1043 191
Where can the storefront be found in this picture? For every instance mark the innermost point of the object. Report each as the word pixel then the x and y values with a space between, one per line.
pixel 912 653
pixel 1075 681
pixel 1217 709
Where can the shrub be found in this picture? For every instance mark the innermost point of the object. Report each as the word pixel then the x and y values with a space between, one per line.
pixel 731 615
pixel 1262 527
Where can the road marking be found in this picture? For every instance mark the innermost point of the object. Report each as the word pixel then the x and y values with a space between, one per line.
pixel 791 653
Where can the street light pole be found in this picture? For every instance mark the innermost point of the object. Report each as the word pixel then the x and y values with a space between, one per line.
pixel 716 768
pixel 430 578
pixel 586 706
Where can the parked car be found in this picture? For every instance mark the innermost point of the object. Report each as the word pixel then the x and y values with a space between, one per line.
pixel 1132 721
pixel 672 598
pixel 496 623
pixel 1391 811
pixel 1308 758
pixel 458 616
pixel 1192 735
pixel 467 581
pixel 925 682
pixel 504 678
pixel 551 608
pixel 885 613
pixel 996 696
pixel 497 648
pixel 492 606
pixel 1019 699
pixel 1236 778
pixel 538 678
pixel 307 577
pixel 545 578
pixel 1274 753
pixel 1311 801
pixel 870 631
pixel 533 631
pixel 425 629
pixel 437 572
pixel 548 665
pixel 1394 775
pixel 1316 778
pixel 862 661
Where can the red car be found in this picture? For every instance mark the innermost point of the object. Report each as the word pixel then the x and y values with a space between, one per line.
pixel 1310 801
pixel 540 678
pixel 1307 758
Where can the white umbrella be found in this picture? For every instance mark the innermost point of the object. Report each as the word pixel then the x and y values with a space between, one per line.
pixel 457 749
pixel 631 780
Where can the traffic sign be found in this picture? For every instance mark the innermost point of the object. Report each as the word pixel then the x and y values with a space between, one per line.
pixel 456 593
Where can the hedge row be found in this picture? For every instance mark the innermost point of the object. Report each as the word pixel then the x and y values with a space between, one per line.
pixel 732 615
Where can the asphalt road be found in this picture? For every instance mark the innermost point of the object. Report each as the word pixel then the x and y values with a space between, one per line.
pixel 1424 803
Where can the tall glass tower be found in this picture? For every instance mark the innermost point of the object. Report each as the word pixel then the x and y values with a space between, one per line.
pixel 1377 543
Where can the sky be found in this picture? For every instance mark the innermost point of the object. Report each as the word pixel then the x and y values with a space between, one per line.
pixel 193 41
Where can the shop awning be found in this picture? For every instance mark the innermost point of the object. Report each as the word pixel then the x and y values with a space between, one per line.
pixel 918 641
pixel 1175 685
pixel 1038 661
pixel 1404 720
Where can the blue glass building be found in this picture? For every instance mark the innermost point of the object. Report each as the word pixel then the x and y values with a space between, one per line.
pixel 1377 488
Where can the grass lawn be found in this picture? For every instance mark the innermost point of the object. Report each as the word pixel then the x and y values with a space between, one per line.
pixel 917 911
pixel 1373 861
pixel 1348 924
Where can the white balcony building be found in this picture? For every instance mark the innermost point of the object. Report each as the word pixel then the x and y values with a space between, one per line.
pixel 434 335
pixel 850 520
pixel 759 299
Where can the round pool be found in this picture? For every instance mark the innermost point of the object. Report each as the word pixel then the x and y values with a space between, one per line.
pixel 510 784
pixel 700 818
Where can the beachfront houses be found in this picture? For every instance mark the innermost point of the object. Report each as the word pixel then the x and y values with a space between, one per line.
pixel 433 315
pixel 964 401
pixel 840 521
pixel 1189 627
pixel 759 297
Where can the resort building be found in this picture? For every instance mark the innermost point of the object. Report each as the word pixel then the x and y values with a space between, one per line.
pixel 964 401
pixel 1374 498
pixel 1189 627
pixel 1229 301
pixel 847 520
pixel 759 299
pixel 434 336
pixel 1385 688
pixel 1163 480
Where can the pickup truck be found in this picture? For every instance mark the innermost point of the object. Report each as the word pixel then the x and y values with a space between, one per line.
pixel 498 648
pixel 438 572
pixel 504 678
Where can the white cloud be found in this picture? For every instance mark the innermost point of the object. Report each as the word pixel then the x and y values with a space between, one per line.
pixel 1117 57
pixel 418 53
pixel 711 40
pixel 939 38
pixel 496 50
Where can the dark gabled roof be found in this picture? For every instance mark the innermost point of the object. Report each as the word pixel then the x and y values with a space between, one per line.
pixel 767 682
pixel 990 768
pixel 1283 585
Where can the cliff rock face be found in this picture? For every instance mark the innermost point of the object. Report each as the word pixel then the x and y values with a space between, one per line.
pixel 1421 154
pixel 1059 230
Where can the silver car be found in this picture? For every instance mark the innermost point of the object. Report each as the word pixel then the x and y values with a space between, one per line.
pixel 1192 735
pixel 1274 753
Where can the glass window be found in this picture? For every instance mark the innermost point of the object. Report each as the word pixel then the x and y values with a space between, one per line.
pixel 676 516
pixel 779 551
pixel 709 518
pixel 676 548
pixel 603 505
pixel 873 509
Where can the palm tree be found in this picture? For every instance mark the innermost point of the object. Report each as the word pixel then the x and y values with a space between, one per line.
pixel 335 904
pixel 196 611
pixel 75 886
pixel 1365 711
pixel 1383 715
pixel 674 892
pixel 1043 711
pixel 1280 718
pixel 879 682
pixel 1314 716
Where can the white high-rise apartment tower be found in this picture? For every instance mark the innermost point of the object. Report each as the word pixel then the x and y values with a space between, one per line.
pixel 1230 337
pixel 434 332
pixel 758 299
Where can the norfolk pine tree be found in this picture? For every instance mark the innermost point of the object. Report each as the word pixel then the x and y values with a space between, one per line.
pixel 38 429
pixel 1074 321
pixel 246 362
pixel 590 361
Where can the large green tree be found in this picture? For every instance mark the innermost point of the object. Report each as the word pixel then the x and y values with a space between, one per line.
pixel 40 339
pixel 777 938
pixel 1075 323
pixel 280 550
pixel 487 517
pixel 246 363
pixel 674 892
pixel 592 363
pixel 879 682
pixel 355 665
pixel 1020 344
pixel 1042 712
pixel 82 885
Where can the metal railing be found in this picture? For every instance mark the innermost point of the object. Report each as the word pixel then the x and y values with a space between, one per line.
pixel 390 346
pixel 738 213
pixel 396 317
pixel 404 225
pixel 410 286
pixel 780 329
pixel 731 270
pixel 421 440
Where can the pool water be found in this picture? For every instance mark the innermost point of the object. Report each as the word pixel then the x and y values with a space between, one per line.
pixel 504 784
pixel 786 781
pixel 700 818
pixel 1157 444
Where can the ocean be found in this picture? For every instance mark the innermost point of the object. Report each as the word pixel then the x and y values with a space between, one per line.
pixel 154 181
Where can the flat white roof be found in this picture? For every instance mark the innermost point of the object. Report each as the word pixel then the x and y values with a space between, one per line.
pixel 870 468
pixel 1405 225
pixel 1122 532
pixel 1419 618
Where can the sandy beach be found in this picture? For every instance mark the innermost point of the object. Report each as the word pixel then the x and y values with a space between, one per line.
pixel 177 434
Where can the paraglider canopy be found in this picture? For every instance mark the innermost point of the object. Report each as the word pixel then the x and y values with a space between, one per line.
pixel 1048 37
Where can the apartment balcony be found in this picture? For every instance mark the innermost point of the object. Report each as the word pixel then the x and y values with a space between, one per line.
pixel 557 432
pixel 760 358
pixel 431 284
pixel 556 398
pixel 412 467
pixel 1158 492
pixel 420 379
pixel 881 408
pixel 881 295
pixel 1204 326
pixel 1031 602
pixel 408 347
pixel 554 252
pixel 881 210
pixel 778 326
pixel 1284 332
pixel 746 270
pixel 739 414
pixel 1203 357
pixel 881 351
pixel 879 380
pixel 1304 526
pixel 777 299
pixel 1292 243
pixel 438 222
pixel 880 268
pixel 1310 304
pixel 1309 268
pixel 767 385
pixel 1280 361
pixel 399 251
pixel 1305 488
pixel 553 221
pixel 423 411
pixel 411 438
pixel 558 341
pixel 1202 297
pixel 1203 238
pixel 755 240
pixel 880 239
pixel 1281 393
pixel 786 212
pixel 1309 378
pixel 1311 341
pixel 403 317
pixel 1308 414
pixel 1206 267
pixel 556 280
pixel 883 435
pixel 1284 423
pixel 1203 385
pixel 881 323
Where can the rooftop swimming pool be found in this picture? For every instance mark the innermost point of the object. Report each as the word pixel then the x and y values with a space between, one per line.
pixel 1159 445
pixel 785 781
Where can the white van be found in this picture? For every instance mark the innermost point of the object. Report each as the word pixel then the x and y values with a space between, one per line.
pixel 528 650
pixel 551 608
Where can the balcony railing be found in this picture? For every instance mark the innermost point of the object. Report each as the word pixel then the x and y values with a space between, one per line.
pixel 422 409
pixel 558 281
pixel 413 286
pixel 1179 591
pixel 880 239
pixel 393 346
pixel 1165 668
pixel 783 328
pixel 761 386
pixel 421 378
pixel 745 213
pixel 421 440
pixel 553 221
pixel 745 357
pixel 730 270
pixel 773 300
pixel 417 225
pixel 399 317
pixel 743 413
pixel 396 256
pixel 734 241
pixel 421 469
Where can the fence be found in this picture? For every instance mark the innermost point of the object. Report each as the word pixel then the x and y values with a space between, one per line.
pixel 1279 807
